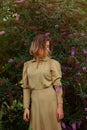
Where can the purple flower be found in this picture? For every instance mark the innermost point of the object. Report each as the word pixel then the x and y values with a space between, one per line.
pixel 84 51
pixel 2 32
pixel 70 35
pixel 86 117
pixel 75 10
pixel 63 125
pixel 83 34
pixel 79 124
pixel 56 26
pixel 73 51
pixel 74 126
pixel 17 17
pixel 78 74
pixel 75 79
pixel 10 61
pixel 63 73
pixel 85 108
pixel 15 27
pixel 58 89
pixel 19 1
pixel 47 34
pixel 84 68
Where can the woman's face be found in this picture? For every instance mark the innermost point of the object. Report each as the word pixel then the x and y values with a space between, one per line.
pixel 43 53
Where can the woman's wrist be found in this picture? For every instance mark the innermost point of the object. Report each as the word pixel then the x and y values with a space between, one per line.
pixel 60 105
pixel 26 108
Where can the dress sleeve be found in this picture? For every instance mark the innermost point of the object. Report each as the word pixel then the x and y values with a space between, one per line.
pixel 56 80
pixel 26 89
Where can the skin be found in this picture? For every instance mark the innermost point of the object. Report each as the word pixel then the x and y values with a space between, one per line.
pixel 41 53
pixel 59 112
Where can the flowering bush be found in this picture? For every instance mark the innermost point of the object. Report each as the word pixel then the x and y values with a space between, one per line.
pixel 65 22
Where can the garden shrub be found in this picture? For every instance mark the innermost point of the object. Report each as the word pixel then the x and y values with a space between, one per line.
pixel 65 22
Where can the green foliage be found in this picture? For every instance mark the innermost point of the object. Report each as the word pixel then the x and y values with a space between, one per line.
pixel 12 116
pixel 66 23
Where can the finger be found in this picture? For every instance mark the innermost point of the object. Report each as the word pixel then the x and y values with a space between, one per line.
pixel 58 119
pixel 28 116
pixel 25 117
pixel 61 116
pixel 57 115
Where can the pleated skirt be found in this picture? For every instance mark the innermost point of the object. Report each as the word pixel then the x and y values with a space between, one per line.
pixel 43 110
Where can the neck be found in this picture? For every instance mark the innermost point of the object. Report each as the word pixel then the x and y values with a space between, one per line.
pixel 38 58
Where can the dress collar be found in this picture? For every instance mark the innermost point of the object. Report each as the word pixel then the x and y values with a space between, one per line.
pixel 42 59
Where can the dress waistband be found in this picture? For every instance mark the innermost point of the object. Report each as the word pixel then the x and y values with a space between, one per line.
pixel 42 89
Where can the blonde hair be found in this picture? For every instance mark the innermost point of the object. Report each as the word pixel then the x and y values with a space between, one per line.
pixel 39 42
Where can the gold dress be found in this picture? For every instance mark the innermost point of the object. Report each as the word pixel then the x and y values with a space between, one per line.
pixel 39 79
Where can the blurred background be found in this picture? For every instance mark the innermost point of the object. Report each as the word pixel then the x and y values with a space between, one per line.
pixel 65 21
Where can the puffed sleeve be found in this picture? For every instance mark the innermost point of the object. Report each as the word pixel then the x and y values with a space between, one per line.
pixel 26 90
pixel 56 80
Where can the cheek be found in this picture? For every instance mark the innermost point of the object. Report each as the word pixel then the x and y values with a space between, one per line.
pixel 42 53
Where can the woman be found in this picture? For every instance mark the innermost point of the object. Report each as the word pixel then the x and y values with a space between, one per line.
pixel 42 83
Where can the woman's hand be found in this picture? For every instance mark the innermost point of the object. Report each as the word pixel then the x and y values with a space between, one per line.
pixel 60 113
pixel 26 115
